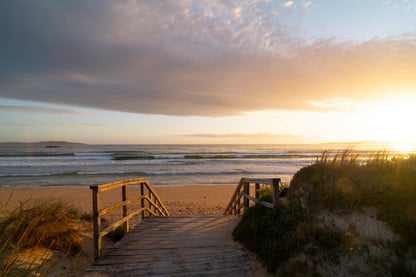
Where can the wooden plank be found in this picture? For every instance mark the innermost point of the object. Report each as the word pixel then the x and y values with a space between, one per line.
pixel 233 197
pixel 119 205
pixel 266 204
pixel 186 246
pixel 276 192
pixel 108 186
pixel 268 181
pixel 97 221
pixel 120 222
pixel 97 212
pixel 158 201
pixel 250 198
pixel 125 208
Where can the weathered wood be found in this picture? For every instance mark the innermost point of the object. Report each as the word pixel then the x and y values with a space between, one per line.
pixel 265 181
pixel 120 222
pixel 125 208
pixel 158 201
pixel 247 192
pixel 97 221
pixel 98 212
pixel 276 183
pixel 231 205
pixel 142 200
pixel 243 191
pixel 120 205
pixel 113 185
pixel 176 246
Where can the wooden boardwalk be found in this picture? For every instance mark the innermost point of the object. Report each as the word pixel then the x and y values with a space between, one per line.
pixel 176 246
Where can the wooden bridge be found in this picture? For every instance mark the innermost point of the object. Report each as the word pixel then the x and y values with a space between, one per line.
pixel 172 245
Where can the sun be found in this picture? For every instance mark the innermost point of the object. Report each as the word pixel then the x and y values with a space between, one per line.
pixel 393 120
pixel 404 148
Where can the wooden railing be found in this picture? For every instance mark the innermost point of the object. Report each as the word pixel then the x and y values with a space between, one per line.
pixel 241 197
pixel 154 207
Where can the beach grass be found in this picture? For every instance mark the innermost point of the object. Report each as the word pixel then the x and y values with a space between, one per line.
pixel 35 224
pixel 387 184
pixel 340 184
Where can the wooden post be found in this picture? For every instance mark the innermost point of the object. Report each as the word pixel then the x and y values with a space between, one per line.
pixel 276 183
pixel 149 193
pixel 125 208
pixel 97 221
pixel 246 201
pixel 142 193
pixel 257 190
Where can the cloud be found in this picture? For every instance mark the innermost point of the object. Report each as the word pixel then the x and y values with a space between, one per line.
pixel 37 109
pixel 187 58
pixel 306 4
pixel 289 4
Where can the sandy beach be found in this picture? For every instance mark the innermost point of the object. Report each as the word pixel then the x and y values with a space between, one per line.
pixel 179 200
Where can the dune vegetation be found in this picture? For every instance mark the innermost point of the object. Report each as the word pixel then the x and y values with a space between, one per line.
pixel 344 216
pixel 37 224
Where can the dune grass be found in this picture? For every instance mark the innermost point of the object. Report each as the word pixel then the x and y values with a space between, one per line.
pixel 341 183
pixel 36 224
pixel 387 184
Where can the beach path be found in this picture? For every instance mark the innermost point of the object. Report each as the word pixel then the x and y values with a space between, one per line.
pixel 176 246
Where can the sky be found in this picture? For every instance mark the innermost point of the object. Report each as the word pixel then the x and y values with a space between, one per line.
pixel 186 71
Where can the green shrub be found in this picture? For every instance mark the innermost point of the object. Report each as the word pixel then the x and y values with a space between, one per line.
pixel 402 269
pixel 117 234
pixel 266 195
pixel 344 183
pixel 339 183
pixel 272 234
pixel 80 215
pixel 328 237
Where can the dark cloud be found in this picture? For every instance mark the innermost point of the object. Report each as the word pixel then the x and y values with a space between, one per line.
pixel 186 58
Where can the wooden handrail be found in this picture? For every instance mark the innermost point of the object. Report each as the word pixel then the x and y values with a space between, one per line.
pixel 242 191
pixel 154 207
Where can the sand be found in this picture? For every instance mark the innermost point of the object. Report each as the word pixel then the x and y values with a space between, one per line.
pixel 179 200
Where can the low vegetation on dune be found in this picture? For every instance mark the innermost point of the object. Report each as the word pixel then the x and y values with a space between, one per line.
pixel 344 217
pixel 37 224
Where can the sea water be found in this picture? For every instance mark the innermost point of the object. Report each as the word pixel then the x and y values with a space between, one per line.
pixel 69 164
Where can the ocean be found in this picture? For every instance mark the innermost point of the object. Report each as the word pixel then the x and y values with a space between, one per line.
pixel 62 164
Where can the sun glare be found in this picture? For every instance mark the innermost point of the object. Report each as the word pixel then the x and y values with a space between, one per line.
pixel 404 148
pixel 392 120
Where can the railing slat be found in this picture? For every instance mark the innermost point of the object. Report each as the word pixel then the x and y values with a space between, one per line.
pixel 243 191
pixel 152 199
pixel 119 205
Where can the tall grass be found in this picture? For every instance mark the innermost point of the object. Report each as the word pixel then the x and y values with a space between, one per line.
pixel 32 224
pixel 388 184
pixel 342 182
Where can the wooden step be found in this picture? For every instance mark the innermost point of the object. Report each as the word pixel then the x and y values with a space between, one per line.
pixel 176 246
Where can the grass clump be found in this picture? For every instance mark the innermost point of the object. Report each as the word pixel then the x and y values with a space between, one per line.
pixel 337 185
pixel 272 235
pixel 389 185
pixel 46 224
